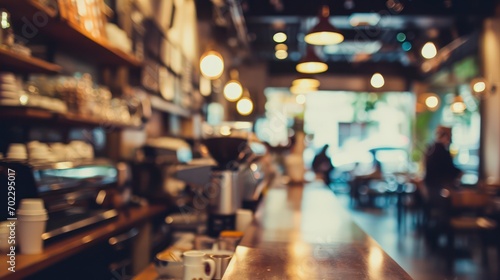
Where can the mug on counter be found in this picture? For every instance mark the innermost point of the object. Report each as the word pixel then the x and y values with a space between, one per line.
pixel 221 263
pixel 194 266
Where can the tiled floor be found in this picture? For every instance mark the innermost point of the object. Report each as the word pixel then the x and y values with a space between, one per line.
pixel 410 250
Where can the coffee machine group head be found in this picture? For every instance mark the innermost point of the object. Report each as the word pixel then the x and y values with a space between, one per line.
pixel 224 194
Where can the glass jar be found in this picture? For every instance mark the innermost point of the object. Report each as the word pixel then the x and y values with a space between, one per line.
pixel 6 32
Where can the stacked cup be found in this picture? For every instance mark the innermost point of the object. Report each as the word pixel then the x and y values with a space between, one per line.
pixel 17 151
pixel 40 151
pixel 32 218
pixel 9 89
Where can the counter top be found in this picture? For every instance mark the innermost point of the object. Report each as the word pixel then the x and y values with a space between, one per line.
pixel 57 251
pixel 303 232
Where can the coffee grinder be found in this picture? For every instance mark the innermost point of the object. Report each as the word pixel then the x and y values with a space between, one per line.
pixel 223 190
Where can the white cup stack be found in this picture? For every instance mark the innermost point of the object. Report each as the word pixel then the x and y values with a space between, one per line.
pixel 59 150
pixel 31 218
pixel 81 150
pixel 17 151
pixel 40 151
pixel 9 89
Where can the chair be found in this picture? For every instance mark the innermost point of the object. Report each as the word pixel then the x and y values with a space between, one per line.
pixel 465 216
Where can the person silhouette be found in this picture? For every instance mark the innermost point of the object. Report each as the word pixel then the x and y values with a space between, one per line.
pixel 322 165
pixel 440 171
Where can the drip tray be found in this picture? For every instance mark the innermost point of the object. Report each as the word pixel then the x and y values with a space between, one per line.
pixel 61 224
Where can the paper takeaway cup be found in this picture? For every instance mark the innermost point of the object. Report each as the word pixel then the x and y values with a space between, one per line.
pixel 31 220
pixel 29 233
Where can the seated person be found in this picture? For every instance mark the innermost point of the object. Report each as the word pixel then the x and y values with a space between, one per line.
pixel 440 171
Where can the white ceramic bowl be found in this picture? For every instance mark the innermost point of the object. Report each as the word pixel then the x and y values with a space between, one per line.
pixel 167 267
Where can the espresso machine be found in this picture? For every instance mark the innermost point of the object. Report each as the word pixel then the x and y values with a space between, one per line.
pixel 76 194
pixel 223 191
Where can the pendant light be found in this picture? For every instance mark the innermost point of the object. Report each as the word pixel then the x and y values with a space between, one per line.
pixel 478 86
pixel 432 101
pixel 377 80
pixel 302 89
pixel 458 105
pixel 311 63
pixel 212 65
pixel 429 50
pixel 306 81
pixel 233 89
pixel 324 33
pixel 304 84
pixel 244 106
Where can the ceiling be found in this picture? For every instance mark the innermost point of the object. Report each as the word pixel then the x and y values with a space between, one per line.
pixel 366 48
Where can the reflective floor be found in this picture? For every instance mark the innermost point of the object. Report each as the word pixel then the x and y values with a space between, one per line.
pixel 409 249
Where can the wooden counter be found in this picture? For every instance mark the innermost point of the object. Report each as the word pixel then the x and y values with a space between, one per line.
pixel 60 250
pixel 304 233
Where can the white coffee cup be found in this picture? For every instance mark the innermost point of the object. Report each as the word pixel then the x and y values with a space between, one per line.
pixel 194 266
pixel 31 219
pixel 59 150
pixel 39 151
pixel 243 219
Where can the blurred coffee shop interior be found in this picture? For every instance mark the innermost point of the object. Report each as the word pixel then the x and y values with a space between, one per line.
pixel 106 107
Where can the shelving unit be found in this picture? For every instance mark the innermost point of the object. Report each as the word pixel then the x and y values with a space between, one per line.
pixel 30 114
pixel 162 105
pixel 69 35
pixel 10 60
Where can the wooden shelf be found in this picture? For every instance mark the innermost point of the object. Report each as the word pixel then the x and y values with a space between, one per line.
pixel 70 36
pixel 30 114
pixel 13 61
pixel 163 105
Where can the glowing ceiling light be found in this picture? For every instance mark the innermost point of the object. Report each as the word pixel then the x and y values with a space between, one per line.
pixel 302 89
pixel 324 33
pixel 432 102
pixel 401 37
pixel 212 65
pixel 306 82
pixel 279 37
pixel 406 46
pixel 23 100
pixel 233 90
pixel 458 105
pixel 281 54
pixel 281 47
pixel 311 64
pixel 479 86
pixel 377 80
pixel 429 50
pixel 244 106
